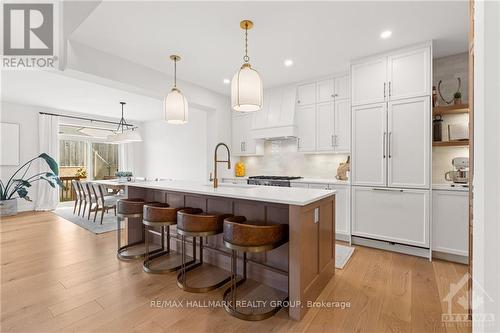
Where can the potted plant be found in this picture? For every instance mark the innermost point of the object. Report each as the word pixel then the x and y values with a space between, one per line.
pixel 457 98
pixel 18 187
pixel 124 176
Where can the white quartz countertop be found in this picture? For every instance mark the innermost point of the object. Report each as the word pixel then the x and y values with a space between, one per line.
pixel 331 181
pixel 282 195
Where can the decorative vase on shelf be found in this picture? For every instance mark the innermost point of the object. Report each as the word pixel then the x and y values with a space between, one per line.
pixel 124 176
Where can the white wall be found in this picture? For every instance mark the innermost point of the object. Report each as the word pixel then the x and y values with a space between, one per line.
pixel 176 151
pixel 486 211
pixel 27 117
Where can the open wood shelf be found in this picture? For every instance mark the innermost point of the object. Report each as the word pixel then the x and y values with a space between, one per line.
pixel 453 143
pixel 450 109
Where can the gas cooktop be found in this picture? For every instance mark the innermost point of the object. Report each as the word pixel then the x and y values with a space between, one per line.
pixel 274 177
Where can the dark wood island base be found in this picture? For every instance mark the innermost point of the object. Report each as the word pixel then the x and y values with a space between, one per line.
pixel 302 267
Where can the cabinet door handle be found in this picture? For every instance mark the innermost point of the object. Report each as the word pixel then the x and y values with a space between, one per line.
pixel 389 144
pixel 241 146
pixel 298 143
pixel 389 88
pixel 387 189
pixel 332 144
pixel 244 146
pixel 384 144
pixel 384 90
pixel 298 101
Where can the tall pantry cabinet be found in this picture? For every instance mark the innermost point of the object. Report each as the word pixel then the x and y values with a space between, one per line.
pixel 391 146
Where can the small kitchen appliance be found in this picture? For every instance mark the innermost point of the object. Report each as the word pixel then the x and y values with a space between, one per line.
pixel 460 174
pixel 282 181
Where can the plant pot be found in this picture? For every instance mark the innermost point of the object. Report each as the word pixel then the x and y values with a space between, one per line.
pixel 122 179
pixel 457 101
pixel 8 207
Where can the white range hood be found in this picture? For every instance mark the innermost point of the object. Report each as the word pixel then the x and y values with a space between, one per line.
pixel 276 120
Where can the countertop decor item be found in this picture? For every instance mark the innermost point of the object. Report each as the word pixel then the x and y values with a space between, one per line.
pixel 175 105
pixel 246 86
pixel 343 169
pixel 18 187
pixel 124 176
pixel 124 132
pixel 239 169
pixel 437 129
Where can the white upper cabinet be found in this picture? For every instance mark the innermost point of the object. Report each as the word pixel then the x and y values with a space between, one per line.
pixel 306 128
pixel 369 81
pixel 325 131
pixel 342 87
pixel 306 94
pixel 342 123
pixel 242 141
pixel 409 73
pixel 408 143
pixel 369 165
pixel 326 90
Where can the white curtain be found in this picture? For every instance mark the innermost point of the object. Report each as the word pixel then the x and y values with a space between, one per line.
pixel 48 133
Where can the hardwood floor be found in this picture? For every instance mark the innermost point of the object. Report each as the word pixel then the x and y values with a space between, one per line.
pixel 56 276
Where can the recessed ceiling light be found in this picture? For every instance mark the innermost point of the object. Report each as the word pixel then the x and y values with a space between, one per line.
pixel 226 81
pixel 386 34
pixel 288 62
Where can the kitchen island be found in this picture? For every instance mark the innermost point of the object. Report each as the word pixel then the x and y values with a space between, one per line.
pixel 302 267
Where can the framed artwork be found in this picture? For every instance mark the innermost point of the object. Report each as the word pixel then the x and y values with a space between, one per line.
pixel 9 151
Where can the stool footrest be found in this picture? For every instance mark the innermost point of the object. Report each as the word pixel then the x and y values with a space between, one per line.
pixel 134 251
pixel 165 262
pixel 204 289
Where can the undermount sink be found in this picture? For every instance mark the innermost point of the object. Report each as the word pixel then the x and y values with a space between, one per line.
pixel 232 185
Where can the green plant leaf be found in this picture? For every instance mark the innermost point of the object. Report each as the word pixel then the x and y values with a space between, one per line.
pixel 51 162
pixel 23 182
pixel 23 193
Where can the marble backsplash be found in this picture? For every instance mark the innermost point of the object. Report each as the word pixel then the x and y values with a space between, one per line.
pixel 281 158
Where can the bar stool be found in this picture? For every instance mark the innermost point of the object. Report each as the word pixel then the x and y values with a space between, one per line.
pixel 160 215
pixel 127 209
pixel 239 235
pixel 191 222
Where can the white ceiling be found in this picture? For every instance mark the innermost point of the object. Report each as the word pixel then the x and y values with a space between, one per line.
pixel 320 37
pixel 62 92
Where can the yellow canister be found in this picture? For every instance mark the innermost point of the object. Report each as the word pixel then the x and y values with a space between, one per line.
pixel 239 169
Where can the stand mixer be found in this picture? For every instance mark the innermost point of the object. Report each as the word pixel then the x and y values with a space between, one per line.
pixel 460 174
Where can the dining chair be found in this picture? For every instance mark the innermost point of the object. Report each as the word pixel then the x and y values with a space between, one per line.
pixel 103 202
pixel 89 199
pixel 78 195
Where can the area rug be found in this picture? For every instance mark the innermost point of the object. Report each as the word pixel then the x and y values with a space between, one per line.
pixel 342 255
pixel 65 210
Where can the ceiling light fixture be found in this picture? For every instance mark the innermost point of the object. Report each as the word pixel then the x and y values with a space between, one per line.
pixel 125 133
pixel 386 34
pixel 226 81
pixel 288 62
pixel 175 105
pixel 246 86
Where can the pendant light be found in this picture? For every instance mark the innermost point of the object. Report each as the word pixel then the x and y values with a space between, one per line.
pixel 125 133
pixel 246 86
pixel 175 105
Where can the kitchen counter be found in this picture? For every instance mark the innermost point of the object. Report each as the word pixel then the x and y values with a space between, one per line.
pixel 281 195
pixel 302 267
pixel 329 181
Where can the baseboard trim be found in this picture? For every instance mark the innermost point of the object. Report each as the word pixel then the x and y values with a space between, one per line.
pixel 451 257
pixel 384 245
pixel 343 237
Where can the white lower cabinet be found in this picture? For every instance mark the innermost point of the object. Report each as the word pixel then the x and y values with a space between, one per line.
pixel 450 222
pixel 394 215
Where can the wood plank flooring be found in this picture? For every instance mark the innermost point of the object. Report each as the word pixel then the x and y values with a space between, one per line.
pixel 58 277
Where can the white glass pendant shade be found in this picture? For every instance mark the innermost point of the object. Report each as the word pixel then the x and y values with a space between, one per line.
pixel 246 90
pixel 127 136
pixel 175 107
